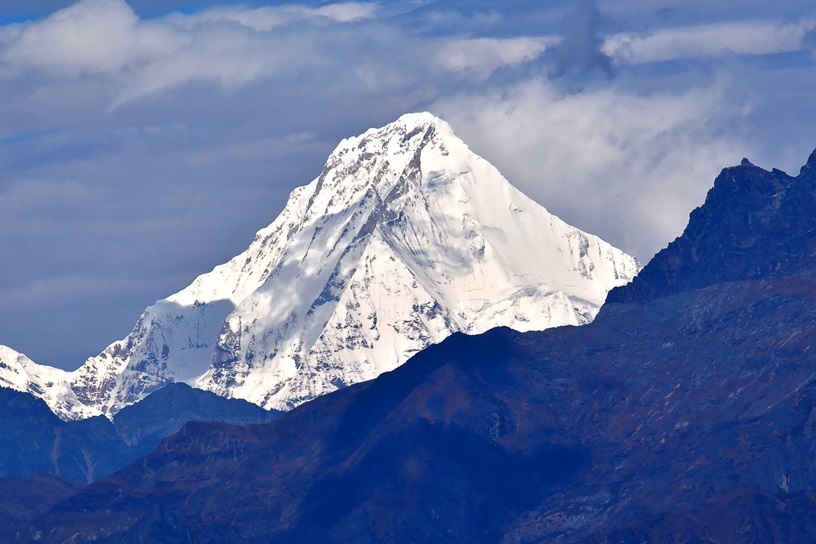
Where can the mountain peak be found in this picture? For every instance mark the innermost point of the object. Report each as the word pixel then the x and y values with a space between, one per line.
pixel 419 119
pixel 19 373
pixel 753 223
pixel 407 124
pixel 391 149
pixel 406 237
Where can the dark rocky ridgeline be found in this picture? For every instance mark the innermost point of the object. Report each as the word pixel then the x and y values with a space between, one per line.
pixel 684 413
pixel 33 440
pixel 144 424
pixel 754 223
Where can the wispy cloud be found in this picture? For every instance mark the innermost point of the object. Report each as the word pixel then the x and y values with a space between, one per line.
pixel 730 38
pixel 268 18
pixel 627 165
pixel 482 56
pixel 234 46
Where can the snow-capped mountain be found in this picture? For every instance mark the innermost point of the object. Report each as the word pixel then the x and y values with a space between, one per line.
pixel 405 238
pixel 53 385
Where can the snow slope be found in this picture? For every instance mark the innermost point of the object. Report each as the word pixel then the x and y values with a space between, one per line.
pixel 405 238
pixel 20 373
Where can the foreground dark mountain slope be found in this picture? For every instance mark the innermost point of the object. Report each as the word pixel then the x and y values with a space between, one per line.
pixel 685 414
pixel 22 499
pixel 744 514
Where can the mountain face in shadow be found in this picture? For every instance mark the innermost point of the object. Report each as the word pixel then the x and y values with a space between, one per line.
pixel 34 440
pixel 683 413
pixel 754 224
pixel 164 412
pixel 745 514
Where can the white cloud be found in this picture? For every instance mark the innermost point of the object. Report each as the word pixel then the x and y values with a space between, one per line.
pixel 348 12
pixel 87 37
pixel 627 165
pixel 484 55
pixel 270 17
pixel 738 38
pixel 235 46
pixel 602 146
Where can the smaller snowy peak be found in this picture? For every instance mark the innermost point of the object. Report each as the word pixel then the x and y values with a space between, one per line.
pixel 50 384
pixel 16 370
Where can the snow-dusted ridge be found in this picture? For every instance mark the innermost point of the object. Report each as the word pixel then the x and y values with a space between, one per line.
pixel 51 384
pixel 406 237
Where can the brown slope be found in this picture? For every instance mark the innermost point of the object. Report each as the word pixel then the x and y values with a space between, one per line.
pixel 23 499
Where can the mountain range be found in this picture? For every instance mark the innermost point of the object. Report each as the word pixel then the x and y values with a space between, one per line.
pixel 33 440
pixel 685 412
pixel 404 238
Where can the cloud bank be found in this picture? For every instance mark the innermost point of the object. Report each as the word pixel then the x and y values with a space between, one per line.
pixel 625 165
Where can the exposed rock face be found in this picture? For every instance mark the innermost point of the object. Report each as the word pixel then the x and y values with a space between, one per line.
pixel 405 238
pixel 688 415
pixel 754 223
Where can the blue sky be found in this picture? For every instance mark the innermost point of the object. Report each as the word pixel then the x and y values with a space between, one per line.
pixel 142 144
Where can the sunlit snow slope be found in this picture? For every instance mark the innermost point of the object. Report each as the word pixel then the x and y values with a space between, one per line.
pixel 53 385
pixel 405 238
